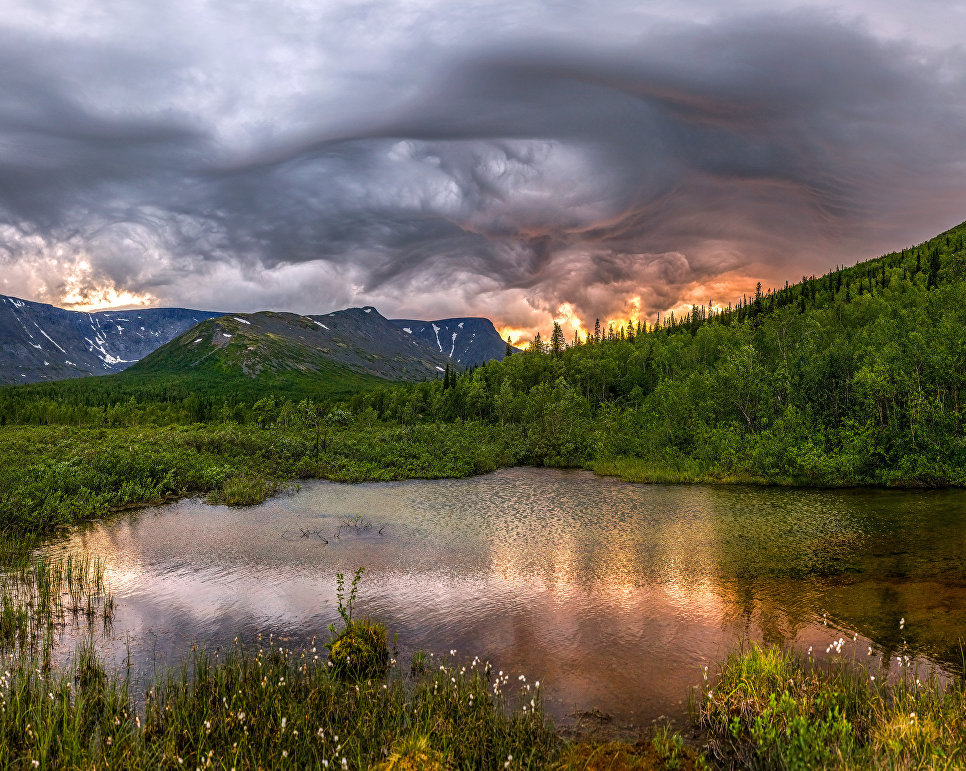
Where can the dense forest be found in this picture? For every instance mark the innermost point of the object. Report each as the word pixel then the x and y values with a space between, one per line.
pixel 852 378
pixel 855 377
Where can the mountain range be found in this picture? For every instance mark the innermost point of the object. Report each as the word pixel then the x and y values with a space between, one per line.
pixel 40 342
pixel 356 340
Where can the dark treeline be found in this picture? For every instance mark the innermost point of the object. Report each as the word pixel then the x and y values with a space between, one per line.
pixel 854 377
pixel 162 399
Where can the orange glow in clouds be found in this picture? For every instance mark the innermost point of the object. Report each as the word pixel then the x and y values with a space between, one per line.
pixel 568 319
pixel 716 292
pixel 83 292
pixel 518 337
pixel 103 298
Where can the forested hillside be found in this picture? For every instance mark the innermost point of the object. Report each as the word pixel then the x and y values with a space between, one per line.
pixel 855 377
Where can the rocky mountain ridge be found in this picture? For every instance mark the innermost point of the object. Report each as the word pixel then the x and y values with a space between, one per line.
pixel 468 340
pixel 356 340
pixel 41 342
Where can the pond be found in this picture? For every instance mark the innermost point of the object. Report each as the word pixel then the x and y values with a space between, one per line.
pixel 614 595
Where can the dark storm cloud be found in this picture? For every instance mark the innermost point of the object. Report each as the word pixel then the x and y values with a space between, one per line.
pixel 532 171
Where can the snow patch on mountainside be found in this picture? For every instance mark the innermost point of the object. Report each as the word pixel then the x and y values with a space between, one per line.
pixel 49 337
pixel 472 340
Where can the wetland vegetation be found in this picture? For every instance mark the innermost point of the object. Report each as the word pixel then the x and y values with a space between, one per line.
pixel 852 378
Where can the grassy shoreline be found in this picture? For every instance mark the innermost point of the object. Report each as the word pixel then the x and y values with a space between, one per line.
pixel 770 708
pixel 51 476
pixel 279 707
pixel 684 472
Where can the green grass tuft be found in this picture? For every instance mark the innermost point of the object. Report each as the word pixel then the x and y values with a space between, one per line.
pixel 243 490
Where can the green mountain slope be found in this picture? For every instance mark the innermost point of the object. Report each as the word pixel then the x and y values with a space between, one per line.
pixel 268 344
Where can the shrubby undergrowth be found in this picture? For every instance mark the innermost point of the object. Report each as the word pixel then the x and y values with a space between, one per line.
pixel 57 475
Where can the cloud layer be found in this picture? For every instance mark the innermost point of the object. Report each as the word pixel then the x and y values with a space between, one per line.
pixel 496 161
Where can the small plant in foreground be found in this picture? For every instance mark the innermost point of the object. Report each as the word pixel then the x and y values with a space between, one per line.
pixel 666 751
pixel 360 650
pixel 414 753
pixel 419 663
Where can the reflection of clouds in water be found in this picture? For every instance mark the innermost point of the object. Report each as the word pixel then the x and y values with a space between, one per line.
pixel 616 594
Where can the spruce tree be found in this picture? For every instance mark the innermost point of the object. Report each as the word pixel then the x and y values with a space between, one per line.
pixel 933 280
pixel 557 342
pixel 536 345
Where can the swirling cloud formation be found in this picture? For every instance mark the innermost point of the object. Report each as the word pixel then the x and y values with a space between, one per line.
pixel 519 161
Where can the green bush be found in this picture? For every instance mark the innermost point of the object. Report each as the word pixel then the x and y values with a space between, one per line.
pixel 360 651
pixel 245 491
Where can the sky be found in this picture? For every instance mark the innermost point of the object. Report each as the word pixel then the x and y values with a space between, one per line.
pixel 523 161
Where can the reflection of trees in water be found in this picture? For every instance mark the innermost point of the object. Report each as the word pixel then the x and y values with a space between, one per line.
pixel 754 608
pixel 765 562
pixel 866 558
pixel 775 560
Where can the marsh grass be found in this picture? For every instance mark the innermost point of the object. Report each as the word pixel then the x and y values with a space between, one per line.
pixel 777 709
pixel 666 750
pixel 245 490
pixel 40 594
pixel 418 663
pixel 268 708
pixel 52 476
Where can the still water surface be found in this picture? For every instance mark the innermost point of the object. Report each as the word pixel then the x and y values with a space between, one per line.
pixel 614 595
